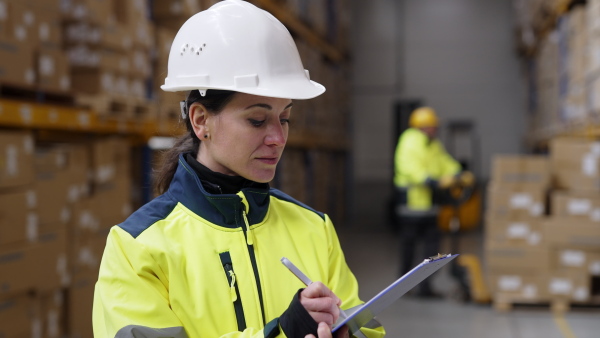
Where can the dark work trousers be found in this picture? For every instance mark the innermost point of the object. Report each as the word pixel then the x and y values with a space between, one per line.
pixel 414 229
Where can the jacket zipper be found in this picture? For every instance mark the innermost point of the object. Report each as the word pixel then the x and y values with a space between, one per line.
pixel 233 290
pixel 250 243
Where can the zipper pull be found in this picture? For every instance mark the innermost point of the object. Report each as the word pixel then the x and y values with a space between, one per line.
pixel 232 286
pixel 249 237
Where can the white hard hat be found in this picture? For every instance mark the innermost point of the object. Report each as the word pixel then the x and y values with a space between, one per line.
pixel 236 46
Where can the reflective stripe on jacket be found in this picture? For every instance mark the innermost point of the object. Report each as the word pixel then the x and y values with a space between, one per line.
pixel 416 159
pixel 194 264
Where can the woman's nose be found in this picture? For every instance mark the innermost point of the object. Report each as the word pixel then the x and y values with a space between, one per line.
pixel 276 134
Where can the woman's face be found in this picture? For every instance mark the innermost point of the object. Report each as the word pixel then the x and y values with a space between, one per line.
pixel 247 137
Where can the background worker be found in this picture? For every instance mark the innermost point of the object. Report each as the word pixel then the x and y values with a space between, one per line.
pixel 422 167
pixel 203 258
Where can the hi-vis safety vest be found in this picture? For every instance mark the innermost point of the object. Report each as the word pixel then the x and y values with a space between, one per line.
pixel 194 264
pixel 416 159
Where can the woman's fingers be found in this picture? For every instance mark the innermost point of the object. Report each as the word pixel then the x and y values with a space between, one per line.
pixel 323 332
pixel 321 303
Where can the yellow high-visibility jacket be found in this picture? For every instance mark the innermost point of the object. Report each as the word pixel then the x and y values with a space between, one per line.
pixel 194 264
pixel 416 159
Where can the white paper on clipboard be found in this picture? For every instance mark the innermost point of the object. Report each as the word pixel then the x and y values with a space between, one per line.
pixel 363 314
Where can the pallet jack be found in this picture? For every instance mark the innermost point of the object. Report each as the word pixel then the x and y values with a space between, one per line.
pixel 461 211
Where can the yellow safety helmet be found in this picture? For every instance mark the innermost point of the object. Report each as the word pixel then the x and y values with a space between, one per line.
pixel 423 117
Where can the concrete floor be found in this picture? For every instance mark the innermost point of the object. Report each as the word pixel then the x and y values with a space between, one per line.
pixel 373 256
pixel 372 252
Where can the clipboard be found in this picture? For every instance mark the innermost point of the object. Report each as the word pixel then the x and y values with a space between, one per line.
pixel 361 315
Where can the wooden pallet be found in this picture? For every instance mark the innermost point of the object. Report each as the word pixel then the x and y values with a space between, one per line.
pixel 506 304
pixel 33 94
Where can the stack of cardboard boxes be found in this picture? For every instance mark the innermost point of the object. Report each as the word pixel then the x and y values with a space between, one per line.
pixel 541 251
pixel 57 202
pixel 564 78
pixel 109 46
pixel 593 53
pixel 31 46
pixel 573 230
pixel 515 248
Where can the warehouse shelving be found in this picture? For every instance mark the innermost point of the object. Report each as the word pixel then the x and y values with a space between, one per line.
pixel 306 33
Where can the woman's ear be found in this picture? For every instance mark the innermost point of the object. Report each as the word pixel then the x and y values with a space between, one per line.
pixel 198 116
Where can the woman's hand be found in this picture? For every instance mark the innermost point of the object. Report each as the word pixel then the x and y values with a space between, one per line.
pixel 321 303
pixel 325 332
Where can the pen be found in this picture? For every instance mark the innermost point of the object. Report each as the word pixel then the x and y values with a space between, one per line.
pixel 303 278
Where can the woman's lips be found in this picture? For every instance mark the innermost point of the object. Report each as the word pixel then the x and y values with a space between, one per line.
pixel 268 160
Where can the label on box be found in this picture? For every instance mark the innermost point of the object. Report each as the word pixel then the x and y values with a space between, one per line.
pixel 20 33
pixel 595 149
pixel 31 198
pixel 36 328
pixel 534 238
pixel 572 258
pixel 579 206
pixel 581 294
pixel 560 286
pixel 12 167
pixel 536 210
pixel 32 226
pixel 530 291
pixel 517 230
pixel 509 283
pixel 44 31
pixel 53 323
pixel 520 201
pixel 595 215
pixel 589 164
pixel 46 65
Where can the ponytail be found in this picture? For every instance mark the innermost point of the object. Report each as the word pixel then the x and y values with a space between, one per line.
pixel 214 101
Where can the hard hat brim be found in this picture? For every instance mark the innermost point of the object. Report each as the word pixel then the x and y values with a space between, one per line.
pixel 290 90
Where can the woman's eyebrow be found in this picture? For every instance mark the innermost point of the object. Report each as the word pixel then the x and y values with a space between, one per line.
pixel 268 107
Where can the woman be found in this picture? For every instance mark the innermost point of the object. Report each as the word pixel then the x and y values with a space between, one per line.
pixel 203 258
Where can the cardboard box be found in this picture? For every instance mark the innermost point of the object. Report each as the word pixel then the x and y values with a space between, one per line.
pixel 80 300
pixel 517 233
pixel 568 286
pixel 52 70
pixel 515 203
pixel 17 67
pixel 572 231
pixel 594 264
pixel 576 204
pixel 19 220
pixel 521 170
pixel 111 158
pixel 519 286
pixel 51 262
pixel 52 313
pixel 16 273
pixel 24 22
pixel 16 166
pixel 575 163
pixel 574 258
pixel 49 27
pixel 54 193
pixel 19 317
pixel 502 258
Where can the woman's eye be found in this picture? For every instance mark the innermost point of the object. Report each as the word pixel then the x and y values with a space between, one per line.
pixel 284 121
pixel 256 123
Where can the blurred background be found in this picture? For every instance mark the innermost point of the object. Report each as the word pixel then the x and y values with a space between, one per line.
pixel 516 85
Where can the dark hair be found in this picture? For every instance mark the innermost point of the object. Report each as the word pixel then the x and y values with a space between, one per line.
pixel 214 101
